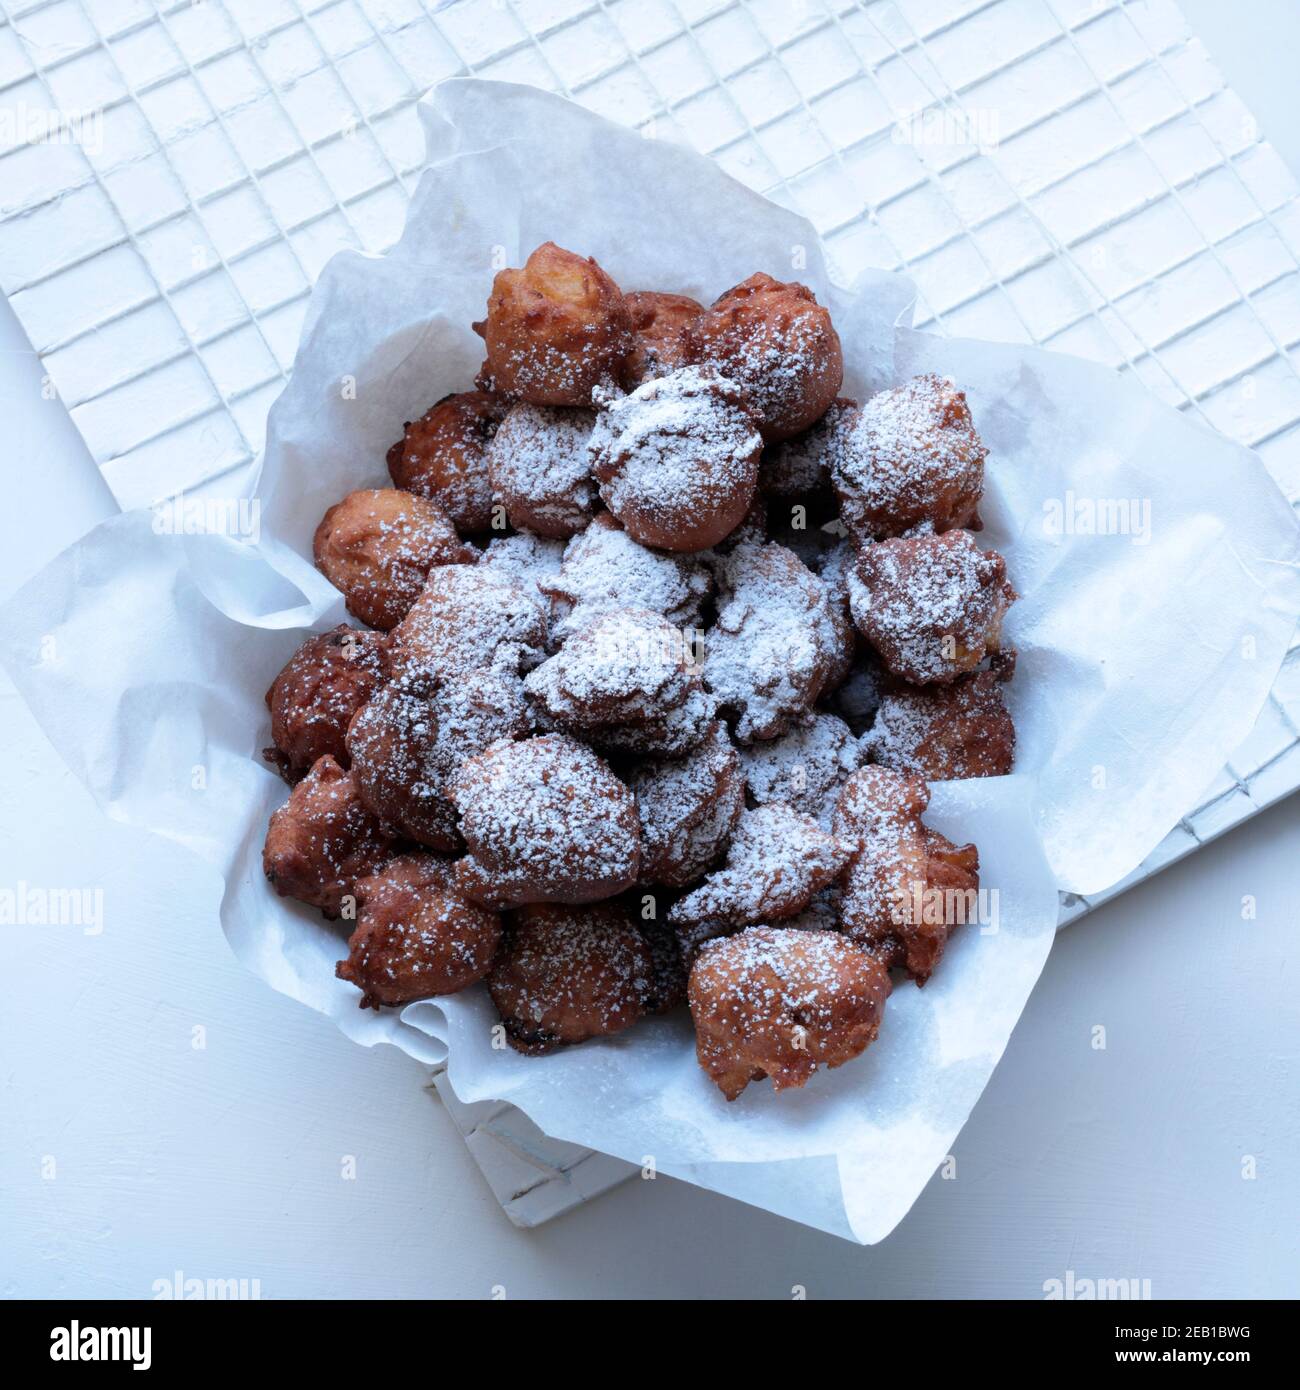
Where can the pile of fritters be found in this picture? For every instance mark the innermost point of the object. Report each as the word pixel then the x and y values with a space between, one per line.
pixel 663 641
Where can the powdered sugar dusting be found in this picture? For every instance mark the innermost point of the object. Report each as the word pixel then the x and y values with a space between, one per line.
pixel 523 557
pixel 688 808
pixel 777 859
pixel 678 447
pixel 909 456
pixel 775 642
pixel 605 568
pixel 537 462
pixel 626 682
pixel 546 821
pixel 571 973
pixel 804 768
pixel 468 619
pixel 802 465
pixel 931 605
pixel 879 820
pixel 945 731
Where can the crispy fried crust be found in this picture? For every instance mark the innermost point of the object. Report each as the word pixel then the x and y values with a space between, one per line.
pixel 417 935
pixel 378 545
pixel 780 1003
pixel 774 340
pixel 661 341
pixel 554 329
pixel 545 820
pixel 944 732
pixel 314 697
pixel 901 882
pixel 566 974
pixel 323 839
pixel 443 456
pixel 909 457
pixel 931 606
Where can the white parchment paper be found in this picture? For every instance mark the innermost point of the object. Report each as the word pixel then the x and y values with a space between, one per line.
pixel 1146 650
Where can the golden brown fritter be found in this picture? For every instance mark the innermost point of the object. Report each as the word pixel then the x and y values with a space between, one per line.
pixel 605 568
pixel 443 456
pixel 554 329
pixel 944 732
pixel 905 886
pixel 677 459
pixel 931 606
pixel 545 820
pixel 377 547
pixel 417 935
pixel 909 457
pixel 780 1003
pixel 314 697
pixel 323 839
pixel 661 343
pixel 776 342
pixel 804 768
pixel 566 974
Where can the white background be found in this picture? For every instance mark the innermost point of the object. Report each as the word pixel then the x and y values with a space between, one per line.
pixel 226 1162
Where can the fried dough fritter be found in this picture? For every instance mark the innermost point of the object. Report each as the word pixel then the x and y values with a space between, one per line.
pixel 779 1003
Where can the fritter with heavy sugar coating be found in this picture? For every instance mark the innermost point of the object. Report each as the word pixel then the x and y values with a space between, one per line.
pixel 533 561
pixel 605 568
pixel 545 820
pixel 377 547
pixel 943 732
pixel 566 974
pixel 931 606
pixel 661 342
pixel 540 470
pixel 804 768
pixel 777 343
pixel 468 618
pixel 777 860
pixel 777 641
pixel 904 886
pixel 323 839
pixel 554 329
pixel 625 683
pixel 688 809
pixel 411 739
pixel 314 697
pixel 909 457
pixel 780 1003
pixel 443 456
pixel 417 935
pixel 677 459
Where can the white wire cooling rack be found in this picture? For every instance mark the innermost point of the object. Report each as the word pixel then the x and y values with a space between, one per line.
pixel 1073 173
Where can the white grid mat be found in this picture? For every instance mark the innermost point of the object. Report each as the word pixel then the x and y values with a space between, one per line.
pixel 1068 172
